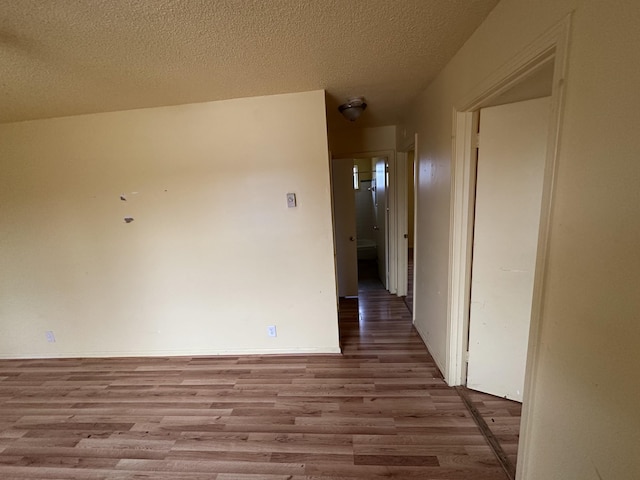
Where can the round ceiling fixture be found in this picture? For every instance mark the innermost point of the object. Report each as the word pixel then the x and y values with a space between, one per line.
pixel 353 108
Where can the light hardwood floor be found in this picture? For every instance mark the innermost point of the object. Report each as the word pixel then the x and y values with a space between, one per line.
pixel 380 410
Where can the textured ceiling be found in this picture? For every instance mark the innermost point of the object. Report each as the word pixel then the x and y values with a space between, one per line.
pixel 68 57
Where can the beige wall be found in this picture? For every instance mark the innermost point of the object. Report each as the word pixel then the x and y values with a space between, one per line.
pixel 584 406
pixel 360 140
pixel 213 256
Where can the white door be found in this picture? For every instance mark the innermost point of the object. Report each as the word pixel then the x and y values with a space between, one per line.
pixel 511 159
pixel 344 208
pixel 402 231
pixel 382 217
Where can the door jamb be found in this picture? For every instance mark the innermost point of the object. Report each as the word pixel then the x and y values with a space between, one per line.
pixel 402 223
pixel 551 46
pixel 402 211
pixel 340 158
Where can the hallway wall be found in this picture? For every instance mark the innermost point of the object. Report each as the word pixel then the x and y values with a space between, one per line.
pixel 359 140
pixel 585 420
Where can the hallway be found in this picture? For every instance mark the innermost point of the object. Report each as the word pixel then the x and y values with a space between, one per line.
pixel 382 324
pixel 430 419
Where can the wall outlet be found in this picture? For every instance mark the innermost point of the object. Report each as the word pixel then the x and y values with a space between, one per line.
pixel 271 331
pixel 51 338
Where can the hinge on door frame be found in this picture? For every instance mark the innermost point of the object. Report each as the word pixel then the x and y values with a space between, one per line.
pixel 477 140
pixel 466 356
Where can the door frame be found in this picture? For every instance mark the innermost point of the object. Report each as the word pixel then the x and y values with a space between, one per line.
pixel 390 277
pixel 391 234
pixel 552 46
pixel 402 211
pixel 402 223
pixel 489 368
pixel 332 164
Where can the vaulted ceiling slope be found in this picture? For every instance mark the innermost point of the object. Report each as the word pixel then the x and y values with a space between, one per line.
pixel 69 57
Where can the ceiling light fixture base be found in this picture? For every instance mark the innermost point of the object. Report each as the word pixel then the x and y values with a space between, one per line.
pixel 353 108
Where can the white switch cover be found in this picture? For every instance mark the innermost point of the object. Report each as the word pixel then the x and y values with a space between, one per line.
pixel 271 331
pixel 291 200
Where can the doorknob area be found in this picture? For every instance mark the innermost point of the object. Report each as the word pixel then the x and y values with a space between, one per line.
pixel 352 239
pixel 406 235
pixel 375 227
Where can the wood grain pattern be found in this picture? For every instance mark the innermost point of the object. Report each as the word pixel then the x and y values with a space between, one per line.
pixel 502 418
pixel 379 410
pixel 408 300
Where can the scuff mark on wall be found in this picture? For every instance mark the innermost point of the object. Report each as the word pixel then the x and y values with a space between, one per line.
pixel 128 219
pixel 513 270
pixel 598 473
pixel 123 197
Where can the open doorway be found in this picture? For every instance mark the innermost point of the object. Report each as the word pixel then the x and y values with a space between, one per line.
pixel 360 187
pixel 508 195
pixel 405 181
pixel 367 221
pixel 535 73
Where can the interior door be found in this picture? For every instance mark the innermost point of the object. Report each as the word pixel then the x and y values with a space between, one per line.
pixel 344 205
pixel 382 217
pixel 511 159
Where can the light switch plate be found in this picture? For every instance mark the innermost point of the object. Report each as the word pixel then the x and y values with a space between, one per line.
pixel 291 200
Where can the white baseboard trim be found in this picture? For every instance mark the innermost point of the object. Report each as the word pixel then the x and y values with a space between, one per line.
pixel 174 353
pixel 423 336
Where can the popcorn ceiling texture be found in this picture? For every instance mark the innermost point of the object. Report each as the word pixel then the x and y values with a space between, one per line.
pixel 66 57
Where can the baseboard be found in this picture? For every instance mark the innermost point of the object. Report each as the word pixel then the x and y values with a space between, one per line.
pixel 175 353
pixel 437 361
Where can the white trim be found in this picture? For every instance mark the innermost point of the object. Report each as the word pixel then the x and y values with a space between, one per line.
pixel 176 353
pixel 525 62
pixel 416 184
pixel 463 171
pixel 392 226
pixel 333 235
pixel 402 223
pixel 551 46
pixel 557 107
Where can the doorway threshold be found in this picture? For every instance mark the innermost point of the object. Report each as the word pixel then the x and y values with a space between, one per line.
pixel 505 462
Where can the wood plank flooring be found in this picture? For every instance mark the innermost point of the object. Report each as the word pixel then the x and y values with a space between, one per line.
pixel 502 417
pixel 408 299
pixel 380 410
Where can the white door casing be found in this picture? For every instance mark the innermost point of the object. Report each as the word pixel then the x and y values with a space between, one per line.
pixel 552 45
pixel 382 218
pixel 402 237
